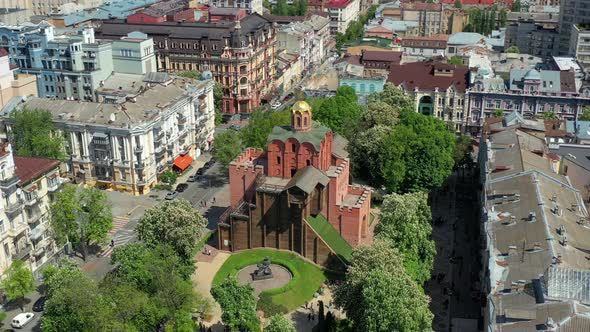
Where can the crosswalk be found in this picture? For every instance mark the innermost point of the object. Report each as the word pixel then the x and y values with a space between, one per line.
pixel 119 235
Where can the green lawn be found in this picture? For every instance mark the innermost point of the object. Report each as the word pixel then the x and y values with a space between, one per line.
pixel 331 236
pixel 307 277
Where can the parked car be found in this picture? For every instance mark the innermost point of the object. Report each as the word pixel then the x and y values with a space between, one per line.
pixel 192 178
pixel 171 195
pixel 276 105
pixel 22 319
pixel 181 187
pixel 39 304
pixel 209 164
pixel 200 171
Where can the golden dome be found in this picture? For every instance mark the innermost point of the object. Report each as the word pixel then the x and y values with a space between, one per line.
pixel 301 106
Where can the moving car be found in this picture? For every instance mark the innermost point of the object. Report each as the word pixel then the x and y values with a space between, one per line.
pixel 181 187
pixel 171 195
pixel 276 105
pixel 22 319
pixel 39 304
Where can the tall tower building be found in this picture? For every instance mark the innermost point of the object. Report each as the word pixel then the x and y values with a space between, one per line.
pixel 571 12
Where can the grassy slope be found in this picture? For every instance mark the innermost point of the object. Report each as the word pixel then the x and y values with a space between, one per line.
pixel 331 236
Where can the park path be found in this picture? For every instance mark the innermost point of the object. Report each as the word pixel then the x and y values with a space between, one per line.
pixel 207 267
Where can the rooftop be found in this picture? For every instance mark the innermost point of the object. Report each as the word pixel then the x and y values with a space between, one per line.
pixel 387 56
pixel 110 9
pixel 580 129
pixel 31 168
pixel 315 136
pixel 421 75
pixel 471 38
pixel 550 80
pixel 147 106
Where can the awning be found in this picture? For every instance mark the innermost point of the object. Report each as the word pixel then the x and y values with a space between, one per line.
pixel 183 162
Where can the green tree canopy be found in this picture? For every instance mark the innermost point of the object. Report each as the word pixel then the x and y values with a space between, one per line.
pixel 512 49
pixel 33 134
pixel 228 146
pixel 516 6
pixel 175 223
pixel 357 295
pixel 81 216
pixel 549 116
pixel 365 151
pixel 340 113
pixel 238 305
pixel 458 4
pixel 279 323
pixel 194 74
pixel 394 97
pixel 455 60
pixel 18 282
pixel 217 99
pixel 585 116
pixel 406 221
pixel 463 149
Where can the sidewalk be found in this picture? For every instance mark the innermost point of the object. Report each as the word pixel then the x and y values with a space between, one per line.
pixel 206 268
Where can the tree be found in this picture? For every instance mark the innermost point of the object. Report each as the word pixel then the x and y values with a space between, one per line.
pixel 455 60
pixel 512 49
pixel 134 309
pixel 458 4
pixel 418 154
pixel 217 100
pixel 75 304
pixel 462 155
pixel 394 97
pixel 357 295
pixel 549 116
pixel 168 176
pixel 238 305
pixel 585 116
pixel 255 134
pixel 340 113
pixel 392 303
pixel 279 323
pixel 33 134
pixel 81 216
pixel 228 145
pixel 175 223
pixel 18 282
pixel 516 6
pixel 406 221
pixel 503 17
pixel 365 152
pixel 498 113
pixel 194 74
pixel 379 113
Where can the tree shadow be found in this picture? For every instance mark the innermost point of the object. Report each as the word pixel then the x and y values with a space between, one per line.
pixel 299 318
pixel 16 304
pixel 213 214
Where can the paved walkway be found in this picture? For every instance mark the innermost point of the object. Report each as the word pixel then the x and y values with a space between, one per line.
pixel 207 267
pixel 300 317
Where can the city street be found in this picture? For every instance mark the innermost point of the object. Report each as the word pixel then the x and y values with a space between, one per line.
pixel 127 210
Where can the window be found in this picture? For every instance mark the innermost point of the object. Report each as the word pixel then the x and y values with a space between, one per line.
pixel 498 103
pixel 126 53
pixel 293 148
pixel 278 160
pixel 308 162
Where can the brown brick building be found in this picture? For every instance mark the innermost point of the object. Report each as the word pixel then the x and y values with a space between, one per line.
pixel 240 55
pixel 297 195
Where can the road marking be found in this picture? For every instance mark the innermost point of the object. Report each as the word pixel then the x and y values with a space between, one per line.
pixel 118 223
pixel 121 238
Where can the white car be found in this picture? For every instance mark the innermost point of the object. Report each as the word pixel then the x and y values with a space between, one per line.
pixel 22 319
pixel 276 105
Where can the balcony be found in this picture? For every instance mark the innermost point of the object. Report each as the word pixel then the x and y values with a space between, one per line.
pixel 138 149
pixel 182 119
pixel 9 182
pixel 34 217
pixel 31 200
pixel 53 186
pixel 104 178
pixel 139 165
pixel 13 208
pixel 23 252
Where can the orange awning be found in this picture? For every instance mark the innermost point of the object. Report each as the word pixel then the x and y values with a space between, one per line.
pixel 183 162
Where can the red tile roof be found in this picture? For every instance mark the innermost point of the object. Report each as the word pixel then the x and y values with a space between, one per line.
pixel 31 168
pixel 507 3
pixel 421 75
pixel 337 3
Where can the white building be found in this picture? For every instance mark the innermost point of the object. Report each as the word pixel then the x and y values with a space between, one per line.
pixel 124 146
pixel 250 6
pixel 27 185
pixel 342 12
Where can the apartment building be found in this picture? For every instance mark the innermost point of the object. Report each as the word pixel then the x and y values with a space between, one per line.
pixel 580 45
pixel 341 13
pixel 439 89
pixel 428 15
pixel 533 33
pixel 124 146
pixel 27 185
pixel 12 84
pixel 241 55
pixel 250 6
pixel 571 12
pixel 308 38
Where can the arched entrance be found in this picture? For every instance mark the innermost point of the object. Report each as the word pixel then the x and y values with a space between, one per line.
pixel 425 106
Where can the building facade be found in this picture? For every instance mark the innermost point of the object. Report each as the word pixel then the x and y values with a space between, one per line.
pixel 125 146
pixel 172 10
pixel 580 45
pixel 570 13
pixel 250 6
pixel 425 46
pixel 67 66
pixel 11 84
pixel 533 34
pixel 241 56
pixel 296 195
pixel 27 186
pixel 342 12
pixel 529 93
pixel 438 89
pixel 428 15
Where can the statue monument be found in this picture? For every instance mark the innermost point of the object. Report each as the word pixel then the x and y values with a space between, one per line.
pixel 263 271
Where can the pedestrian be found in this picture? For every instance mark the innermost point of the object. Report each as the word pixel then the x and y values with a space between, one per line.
pixel 306 304
pixel 112 243
pixel 213 199
pixel 201 203
pixel 313 317
pixel 308 317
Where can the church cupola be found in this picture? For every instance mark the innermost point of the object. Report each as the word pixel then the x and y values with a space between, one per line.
pixel 301 116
